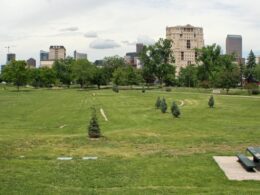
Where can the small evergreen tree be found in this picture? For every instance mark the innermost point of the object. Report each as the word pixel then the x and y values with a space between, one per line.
pixel 163 106
pixel 175 110
pixel 158 103
pixel 251 63
pixel 115 89
pixel 143 89
pixel 211 102
pixel 93 128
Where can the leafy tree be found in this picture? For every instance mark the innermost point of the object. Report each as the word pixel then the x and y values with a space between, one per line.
pixel 188 76
pixel 229 74
pixel 63 70
pixel 93 128
pixel 158 103
pixel 164 106
pixel 47 77
pixel 83 72
pixel 175 110
pixel 251 64
pixel 209 60
pixel 100 77
pixel 16 72
pixel 126 76
pixel 157 60
pixel 256 72
pixel 211 102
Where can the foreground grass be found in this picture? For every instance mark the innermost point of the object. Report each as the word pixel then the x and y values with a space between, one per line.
pixel 143 151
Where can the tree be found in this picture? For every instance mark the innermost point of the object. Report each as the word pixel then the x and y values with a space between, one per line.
pixel 211 102
pixel 175 110
pixel 126 76
pixel 256 72
pixel 93 128
pixel 115 89
pixel 63 70
pixel 83 72
pixel 228 75
pixel 100 77
pixel 188 76
pixel 158 103
pixel 163 106
pixel 157 60
pixel 251 64
pixel 16 72
pixel 208 60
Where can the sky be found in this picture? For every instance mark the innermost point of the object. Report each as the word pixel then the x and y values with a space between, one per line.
pixel 112 27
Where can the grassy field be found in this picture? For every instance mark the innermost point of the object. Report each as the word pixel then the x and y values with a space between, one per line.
pixel 143 151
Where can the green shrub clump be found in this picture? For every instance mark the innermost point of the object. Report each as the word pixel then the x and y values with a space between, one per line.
pixel 211 102
pixel 115 89
pixel 93 128
pixel 158 103
pixel 175 110
pixel 163 106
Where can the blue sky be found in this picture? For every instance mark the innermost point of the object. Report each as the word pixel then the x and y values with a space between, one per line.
pixel 111 27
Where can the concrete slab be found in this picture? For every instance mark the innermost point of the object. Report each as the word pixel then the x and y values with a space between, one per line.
pixel 89 158
pixel 64 158
pixel 234 170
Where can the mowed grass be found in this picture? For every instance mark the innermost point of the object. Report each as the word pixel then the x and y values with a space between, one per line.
pixel 143 151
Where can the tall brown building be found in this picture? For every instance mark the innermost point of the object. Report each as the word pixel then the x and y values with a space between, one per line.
pixel 234 45
pixel 57 53
pixel 185 40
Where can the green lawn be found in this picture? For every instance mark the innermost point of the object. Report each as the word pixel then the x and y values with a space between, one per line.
pixel 143 151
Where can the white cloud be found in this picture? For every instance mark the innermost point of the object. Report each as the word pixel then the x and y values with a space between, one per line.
pixel 145 39
pixel 91 34
pixel 103 44
pixel 70 29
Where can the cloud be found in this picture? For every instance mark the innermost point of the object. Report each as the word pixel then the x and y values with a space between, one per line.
pixel 91 34
pixel 129 43
pixel 104 44
pixel 70 29
pixel 146 40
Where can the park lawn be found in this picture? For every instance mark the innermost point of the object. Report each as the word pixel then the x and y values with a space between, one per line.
pixel 143 151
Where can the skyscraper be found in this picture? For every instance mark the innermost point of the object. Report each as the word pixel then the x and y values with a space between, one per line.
pixel 234 45
pixel 80 56
pixel 10 57
pixel 57 53
pixel 31 63
pixel 185 39
pixel 44 55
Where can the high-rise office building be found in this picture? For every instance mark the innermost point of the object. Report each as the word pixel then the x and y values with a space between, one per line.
pixel 257 59
pixel 80 56
pixel 185 39
pixel 10 57
pixel 139 48
pixel 234 46
pixel 44 55
pixel 31 63
pixel 57 53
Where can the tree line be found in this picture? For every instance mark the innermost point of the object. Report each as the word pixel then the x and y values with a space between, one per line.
pixel 212 70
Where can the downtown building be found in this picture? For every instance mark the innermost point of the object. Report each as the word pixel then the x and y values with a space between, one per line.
pixel 133 58
pixel 80 56
pixel 47 59
pixel 234 46
pixel 185 39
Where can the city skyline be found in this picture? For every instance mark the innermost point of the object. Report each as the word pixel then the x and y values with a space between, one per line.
pixel 84 25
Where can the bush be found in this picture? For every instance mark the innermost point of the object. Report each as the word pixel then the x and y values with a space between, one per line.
pixel 143 89
pixel 252 88
pixel 255 92
pixel 115 89
pixel 93 128
pixel 163 106
pixel 158 103
pixel 168 89
pixel 175 110
pixel 211 102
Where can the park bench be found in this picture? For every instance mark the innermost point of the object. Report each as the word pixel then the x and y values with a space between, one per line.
pixel 247 163
pixel 255 153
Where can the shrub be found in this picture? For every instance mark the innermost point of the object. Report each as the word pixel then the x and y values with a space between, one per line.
pixel 175 110
pixel 158 103
pixel 168 89
pixel 115 89
pixel 93 128
pixel 255 92
pixel 163 106
pixel 143 89
pixel 211 102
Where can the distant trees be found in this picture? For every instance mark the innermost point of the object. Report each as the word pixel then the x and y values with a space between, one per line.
pixel 126 76
pixel 157 60
pixel 188 76
pixel 16 73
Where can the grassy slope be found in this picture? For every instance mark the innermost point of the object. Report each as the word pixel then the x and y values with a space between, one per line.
pixel 144 152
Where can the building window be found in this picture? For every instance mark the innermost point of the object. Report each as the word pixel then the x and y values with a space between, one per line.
pixel 182 55
pixel 181 35
pixel 188 44
pixel 195 35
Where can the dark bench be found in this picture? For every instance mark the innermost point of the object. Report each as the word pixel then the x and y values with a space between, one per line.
pixel 247 164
